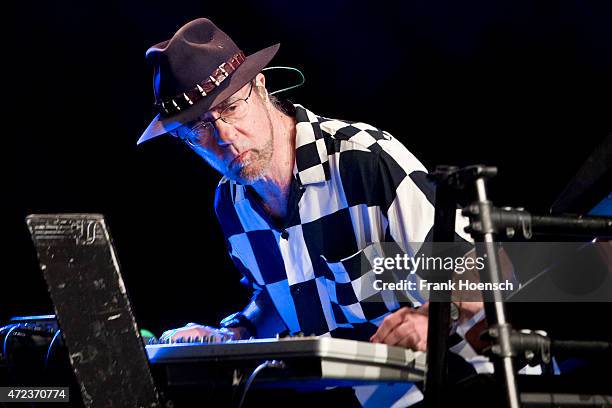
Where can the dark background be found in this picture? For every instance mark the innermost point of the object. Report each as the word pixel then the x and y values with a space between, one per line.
pixel 520 84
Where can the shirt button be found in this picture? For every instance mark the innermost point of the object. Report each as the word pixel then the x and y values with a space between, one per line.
pixel 284 234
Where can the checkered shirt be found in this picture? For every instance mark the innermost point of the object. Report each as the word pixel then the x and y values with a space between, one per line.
pixel 354 185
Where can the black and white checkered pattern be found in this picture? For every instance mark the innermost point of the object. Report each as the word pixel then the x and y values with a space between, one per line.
pixel 354 185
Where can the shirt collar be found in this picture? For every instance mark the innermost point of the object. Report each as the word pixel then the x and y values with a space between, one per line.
pixel 311 157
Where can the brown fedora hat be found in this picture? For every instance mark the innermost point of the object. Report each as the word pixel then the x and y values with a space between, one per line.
pixel 194 71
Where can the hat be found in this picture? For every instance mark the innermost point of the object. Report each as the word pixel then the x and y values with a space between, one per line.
pixel 194 71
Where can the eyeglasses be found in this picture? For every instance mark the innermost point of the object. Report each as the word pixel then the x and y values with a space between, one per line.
pixel 197 135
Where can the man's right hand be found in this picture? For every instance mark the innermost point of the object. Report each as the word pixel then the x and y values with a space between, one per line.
pixel 193 332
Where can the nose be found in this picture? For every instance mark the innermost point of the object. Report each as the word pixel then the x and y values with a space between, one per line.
pixel 225 133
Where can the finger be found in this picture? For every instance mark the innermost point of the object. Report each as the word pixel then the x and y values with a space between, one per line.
pixel 200 331
pixel 167 334
pixel 182 334
pixel 422 345
pixel 403 335
pixel 413 334
pixel 410 338
pixel 389 323
pixel 178 334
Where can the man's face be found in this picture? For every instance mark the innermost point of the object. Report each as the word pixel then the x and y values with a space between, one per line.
pixel 241 149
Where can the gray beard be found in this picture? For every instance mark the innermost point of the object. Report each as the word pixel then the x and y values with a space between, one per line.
pixel 260 159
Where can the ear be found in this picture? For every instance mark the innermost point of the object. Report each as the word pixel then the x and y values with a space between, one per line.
pixel 260 80
pixel 260 83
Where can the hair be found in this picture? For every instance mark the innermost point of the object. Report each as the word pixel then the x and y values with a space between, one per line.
pixel 279 104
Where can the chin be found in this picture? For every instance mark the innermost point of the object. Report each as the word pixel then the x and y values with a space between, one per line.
pixel 248 175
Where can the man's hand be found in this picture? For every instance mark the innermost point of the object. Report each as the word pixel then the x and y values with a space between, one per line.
pixel 193 332
pixel 406 327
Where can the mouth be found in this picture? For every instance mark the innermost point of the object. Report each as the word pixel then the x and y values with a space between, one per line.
pixel 240 159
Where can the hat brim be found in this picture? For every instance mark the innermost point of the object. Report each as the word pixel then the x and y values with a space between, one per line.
pixel 248 70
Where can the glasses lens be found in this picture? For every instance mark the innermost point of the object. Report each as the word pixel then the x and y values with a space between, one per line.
pixel 198 134
pixel 235 111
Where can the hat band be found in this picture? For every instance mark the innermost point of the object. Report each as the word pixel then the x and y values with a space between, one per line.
pixel 184 100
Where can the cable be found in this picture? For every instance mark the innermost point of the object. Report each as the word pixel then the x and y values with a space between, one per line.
pixel 303 78
pixel 256 371
pixel 5 348
pixel 51 347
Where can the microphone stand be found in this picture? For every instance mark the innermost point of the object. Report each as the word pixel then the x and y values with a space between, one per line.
pixel 486 222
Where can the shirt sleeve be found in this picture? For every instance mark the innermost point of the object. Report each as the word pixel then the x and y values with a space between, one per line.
pixel 259 316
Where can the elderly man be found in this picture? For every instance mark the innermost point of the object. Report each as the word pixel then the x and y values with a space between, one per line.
pixel 301 196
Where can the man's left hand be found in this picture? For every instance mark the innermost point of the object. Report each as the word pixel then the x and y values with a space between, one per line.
pixel 406 327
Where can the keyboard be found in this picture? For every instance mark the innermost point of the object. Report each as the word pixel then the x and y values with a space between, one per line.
pixel 309 362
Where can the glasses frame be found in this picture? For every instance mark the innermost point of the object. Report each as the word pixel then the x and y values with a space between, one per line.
pixel 202 124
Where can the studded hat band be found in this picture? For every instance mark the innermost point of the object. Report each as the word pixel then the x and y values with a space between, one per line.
pixel 184 100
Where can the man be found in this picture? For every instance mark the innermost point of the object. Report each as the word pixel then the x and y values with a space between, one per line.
pixel 302 197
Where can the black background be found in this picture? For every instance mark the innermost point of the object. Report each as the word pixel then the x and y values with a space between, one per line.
pixel 520 84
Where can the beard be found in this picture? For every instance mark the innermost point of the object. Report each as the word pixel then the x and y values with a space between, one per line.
pixel 256 165
pixel 258 161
